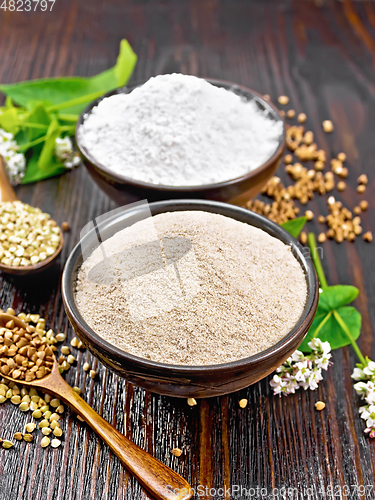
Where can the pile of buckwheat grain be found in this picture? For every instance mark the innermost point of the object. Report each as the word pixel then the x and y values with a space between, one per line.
pixel 27 235
pixel 341 223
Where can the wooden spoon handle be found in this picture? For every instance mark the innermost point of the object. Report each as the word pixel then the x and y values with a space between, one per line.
pixel 161 481
pixel 6 191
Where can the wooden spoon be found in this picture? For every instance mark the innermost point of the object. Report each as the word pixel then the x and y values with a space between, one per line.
pixel 7 194
pixel 161 481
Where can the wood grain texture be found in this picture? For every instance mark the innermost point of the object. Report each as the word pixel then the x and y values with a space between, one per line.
pixel 322 55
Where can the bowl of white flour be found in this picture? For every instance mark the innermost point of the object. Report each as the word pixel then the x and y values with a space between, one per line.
pixel 198 299
pixel 178 136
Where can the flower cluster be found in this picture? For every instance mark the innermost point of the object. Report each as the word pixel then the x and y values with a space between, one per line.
pixel 15 162
pixel 366 389
pixel 64 152
pixel 302 370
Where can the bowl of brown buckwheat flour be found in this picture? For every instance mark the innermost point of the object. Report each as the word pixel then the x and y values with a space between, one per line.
pixel 196 299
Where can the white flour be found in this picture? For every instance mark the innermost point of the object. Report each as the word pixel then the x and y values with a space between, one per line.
pixel 221 290
pixel 179 130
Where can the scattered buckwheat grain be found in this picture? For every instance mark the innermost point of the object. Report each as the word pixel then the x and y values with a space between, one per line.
pixel 283 100
pixel 327 126
pixel 320 405
pixel 176 452
pixel 368 236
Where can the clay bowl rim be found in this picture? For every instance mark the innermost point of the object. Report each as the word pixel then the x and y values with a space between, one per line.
pixel 144 365
pixel 122 179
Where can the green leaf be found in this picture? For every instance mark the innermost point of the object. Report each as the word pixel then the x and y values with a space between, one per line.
pixel 21 138
pixel 119 74
pixel 30 144
pixel 332 300
pixel 331 330
pixel 9 121
pixel 33 172
pixel 53 91
pixel 336 296
pixel 51 100
pixel 294 226
pixel 39 116
pixel 9 103
pixel 47 155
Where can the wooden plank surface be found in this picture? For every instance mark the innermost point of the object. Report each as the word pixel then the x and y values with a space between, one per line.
pixel 322 55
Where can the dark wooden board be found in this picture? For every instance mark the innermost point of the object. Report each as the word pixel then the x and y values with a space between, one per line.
pixel 322 55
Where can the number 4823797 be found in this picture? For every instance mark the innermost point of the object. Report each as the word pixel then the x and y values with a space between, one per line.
pixel 27 5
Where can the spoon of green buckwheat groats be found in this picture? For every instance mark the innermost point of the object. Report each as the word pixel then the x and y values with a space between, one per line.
pixel 27 359
pixel 29 238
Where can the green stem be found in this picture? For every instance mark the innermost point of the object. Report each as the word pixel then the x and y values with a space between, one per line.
pixel 323 283
pixel 322 324
pixel 68 117
pixel 33 125
pixel 28 145
pixel 68 128
pixel 349 335
pixel 75 102
pixel 311 240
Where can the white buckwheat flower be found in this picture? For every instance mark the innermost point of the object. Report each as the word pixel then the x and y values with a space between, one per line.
pixel 361 389
pixel 358 374
pixel 323 362
pixel 15 163
pixel 297 356
pixel 366 390
pixel 369 416
pixel 63 148
pixel 302 370
pixel 314 378
pixel 64 152
pixel 277 384
pixel 315 344
pixel 369 369
pixel 370 393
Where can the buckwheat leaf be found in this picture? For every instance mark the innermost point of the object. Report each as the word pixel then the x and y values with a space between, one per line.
pixel 55 91
pixel 47 155
pixel 9 103
pixel 327 327
pixel 38 116
pixel 118 75
pixel 294 226
pixel 336 296
pixel 33 172
pixel 21 138
pixel 9 120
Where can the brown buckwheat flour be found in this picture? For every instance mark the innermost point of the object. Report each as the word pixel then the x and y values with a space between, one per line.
pixel 202 289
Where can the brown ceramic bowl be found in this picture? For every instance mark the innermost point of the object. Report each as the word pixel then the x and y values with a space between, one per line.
pixel 190 381
pixel 124 190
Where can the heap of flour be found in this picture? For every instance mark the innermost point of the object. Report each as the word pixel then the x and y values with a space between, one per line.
pixel 179 130
pixel 193 288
